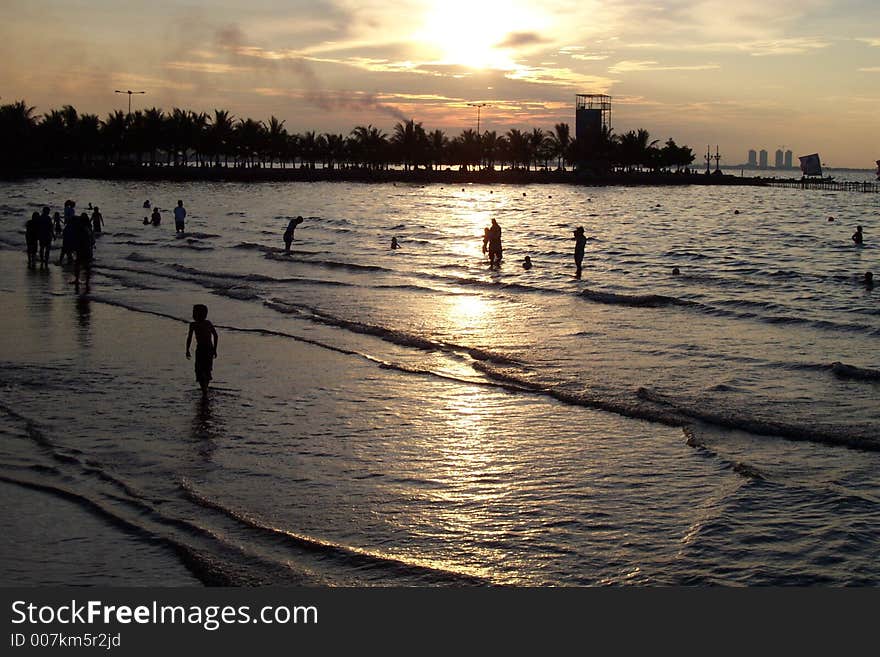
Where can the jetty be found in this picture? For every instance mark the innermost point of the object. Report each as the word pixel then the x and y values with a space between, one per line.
pixel 825 185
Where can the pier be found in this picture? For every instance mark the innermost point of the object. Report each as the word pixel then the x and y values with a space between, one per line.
pixel 826 185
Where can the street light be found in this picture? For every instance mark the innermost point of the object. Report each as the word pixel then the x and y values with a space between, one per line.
pixel 479 106
pixel 129 92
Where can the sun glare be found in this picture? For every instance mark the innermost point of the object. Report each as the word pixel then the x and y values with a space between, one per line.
pixel 473 34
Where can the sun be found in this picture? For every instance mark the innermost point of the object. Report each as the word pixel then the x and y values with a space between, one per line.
pixel 472 32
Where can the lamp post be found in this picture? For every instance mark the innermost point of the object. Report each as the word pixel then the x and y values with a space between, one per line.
pixel 129 92
pixel 479 106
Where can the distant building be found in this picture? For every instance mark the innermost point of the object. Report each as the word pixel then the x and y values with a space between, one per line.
pixel 753 157
pixel 762 159
pixel 778 161
pixel 788 160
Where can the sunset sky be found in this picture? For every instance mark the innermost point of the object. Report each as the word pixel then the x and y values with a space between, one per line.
pixel 752 73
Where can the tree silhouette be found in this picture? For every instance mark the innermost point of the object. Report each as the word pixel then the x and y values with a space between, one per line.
pixel 64 137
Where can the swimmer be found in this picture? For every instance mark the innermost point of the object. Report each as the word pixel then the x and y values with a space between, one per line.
pixel 527 263
pixel 830 218
pixel 869 280
pixel 857 237
pixel 394 244
pixel 147 204
pixel 676 271
pixel 146 221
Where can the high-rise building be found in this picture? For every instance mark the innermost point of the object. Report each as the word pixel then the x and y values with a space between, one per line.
pixel 762 159
pixel 778 160
pixel 753 157
pixel 788 159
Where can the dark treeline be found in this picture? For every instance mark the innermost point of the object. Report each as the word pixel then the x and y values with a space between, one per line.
pixel 180 138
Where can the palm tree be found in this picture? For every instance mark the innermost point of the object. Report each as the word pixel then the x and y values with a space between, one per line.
pixel 153 132
pixel 519 150
pixel 491 145
pixel 89 136
pixel 467 149
pixel 308 148
pixel 411 142
pixel 335 152
pixel 276 136
pixel 196 137
pixel 370 145
pixel 220 134
pixel 537 141
pixel 438 146
pixel 560 142
pixel 249 140
pixel 53 135
pixel 114 131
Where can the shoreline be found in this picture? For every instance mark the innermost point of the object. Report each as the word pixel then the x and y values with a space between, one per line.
pixel 421 176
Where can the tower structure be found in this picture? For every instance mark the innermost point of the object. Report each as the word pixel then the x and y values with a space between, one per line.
pixel 592 120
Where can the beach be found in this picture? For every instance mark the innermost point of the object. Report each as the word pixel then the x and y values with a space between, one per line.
pixel 417 418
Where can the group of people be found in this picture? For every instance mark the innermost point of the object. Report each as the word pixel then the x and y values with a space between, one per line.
pixel 156 218
pixel 76 232
pixel 493 249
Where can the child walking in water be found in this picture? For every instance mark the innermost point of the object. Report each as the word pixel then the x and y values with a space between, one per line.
pixel 206 345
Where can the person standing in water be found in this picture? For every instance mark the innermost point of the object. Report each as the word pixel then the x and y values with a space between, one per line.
pixel 857 237
pixel 527 263
pixel 156 217
pixel 46 235
pixel 97 221
pixel 493 237
pixel 59 227
pixel 288 234
pixel 84 245
pixel 206 345
pixel 394 243
pixel 32 238
pixel 580 242
pixel 179 217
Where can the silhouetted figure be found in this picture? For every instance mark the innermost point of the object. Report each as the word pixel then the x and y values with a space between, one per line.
pixel 146 221
pixel 68 241
pixel 97 221
pixel 32 238
pixel 69 211
pixel 857 237
pixel 580 242
pixel 676 271
pixel 46 235
pixel 830 218
pixel 156 217
pixel 179 217
pixel 492 240
pixel 527 263
pixel 394 244
pixel 288 233
pixel 206 345
pixel 59 227
pixel 84 246
pixel 869 280
pixel 736 212
pixel 147 204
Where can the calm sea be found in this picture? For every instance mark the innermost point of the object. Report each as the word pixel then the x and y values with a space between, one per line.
pixel 416 417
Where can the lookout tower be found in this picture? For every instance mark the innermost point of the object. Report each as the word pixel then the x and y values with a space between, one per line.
pixel 592 116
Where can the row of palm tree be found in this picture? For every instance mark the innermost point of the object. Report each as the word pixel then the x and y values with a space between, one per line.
pixel 181 137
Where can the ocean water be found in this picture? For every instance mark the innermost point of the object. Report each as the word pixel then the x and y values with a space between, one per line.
pixel 416 417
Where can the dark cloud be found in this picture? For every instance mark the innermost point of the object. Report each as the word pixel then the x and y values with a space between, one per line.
pixel 519 39
pixel 231 39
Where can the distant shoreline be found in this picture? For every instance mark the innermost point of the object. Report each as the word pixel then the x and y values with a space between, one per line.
pixel 420 176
